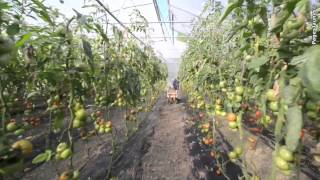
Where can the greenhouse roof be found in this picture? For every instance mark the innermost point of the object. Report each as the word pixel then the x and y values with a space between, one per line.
pixel 176 16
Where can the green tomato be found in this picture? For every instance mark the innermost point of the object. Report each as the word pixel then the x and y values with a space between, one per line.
pixel 232 155
pixel 101 130
pixel 285 154
pixel 238 98
pixel 239 90
pixel 76 174
pixel 282 164
pixel 107 130
pixel 19 132
pixel 12 126
pixel 78 106
pixel 271 95
pixel 61 147
pixel 66 153
pixel 77 123
pixel 81 114
pixel 233 125
pixel 238 150
pixel 274 106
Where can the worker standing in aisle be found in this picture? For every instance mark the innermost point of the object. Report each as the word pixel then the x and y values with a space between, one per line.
pixel 176 84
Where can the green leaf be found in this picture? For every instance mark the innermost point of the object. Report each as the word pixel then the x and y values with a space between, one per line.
pixel 46 156
pixel 282 16
pixel 292 91
pixel 298 60
pixel 43 13
pixel 23 39
pixel 13 29
pixel 255 63
pixel 229 9
pixel 311 71
pixel 294 126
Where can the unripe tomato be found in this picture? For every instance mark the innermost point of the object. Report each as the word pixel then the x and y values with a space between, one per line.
pixel 271 95
pixel 274 106
pixel 61 147
pixel 238 150
pixel 66 153
pixel 285 154
pixel 81 114
pixel 76 123
pixel 239 90
pixel 232 155
pixel 19 132
pixel 233 125
pixel 238 98
pixel 12 126
pixel 281 163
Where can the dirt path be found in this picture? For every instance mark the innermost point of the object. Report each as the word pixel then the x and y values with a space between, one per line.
pixel 159 151
pixel 168 156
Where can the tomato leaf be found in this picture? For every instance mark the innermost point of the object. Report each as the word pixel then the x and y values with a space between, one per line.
pixel 13 29
pixel 255 63
pixel 229 9
pixel 294 126
pixel 46 156
pixel 310 71
pixel 23 39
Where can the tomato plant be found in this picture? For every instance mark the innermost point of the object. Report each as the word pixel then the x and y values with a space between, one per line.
pixel 58 68
pixel 266 61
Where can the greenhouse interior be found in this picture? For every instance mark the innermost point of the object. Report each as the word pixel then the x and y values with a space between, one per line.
pixel 159 90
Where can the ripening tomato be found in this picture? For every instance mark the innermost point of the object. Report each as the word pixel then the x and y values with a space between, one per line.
pixel 231 117
pixel 258 114
pixel 24 145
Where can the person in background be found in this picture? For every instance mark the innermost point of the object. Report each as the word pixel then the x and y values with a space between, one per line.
pixel 176 84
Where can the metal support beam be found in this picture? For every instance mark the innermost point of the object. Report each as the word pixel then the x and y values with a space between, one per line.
pixel 158 15
pixel 115 18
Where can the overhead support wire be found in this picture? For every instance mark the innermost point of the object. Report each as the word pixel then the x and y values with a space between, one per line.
pixel 115 18
pixel 135 6
pixel 158 15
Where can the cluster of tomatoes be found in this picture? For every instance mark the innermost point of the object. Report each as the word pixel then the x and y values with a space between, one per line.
pixel 100 124
pixel 284 160
pixel 13 127
pixel 236 153
pixel 80 116
pixel 63 151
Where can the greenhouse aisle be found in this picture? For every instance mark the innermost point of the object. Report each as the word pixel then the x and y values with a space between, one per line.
pixel 168 156
pixel 159 150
